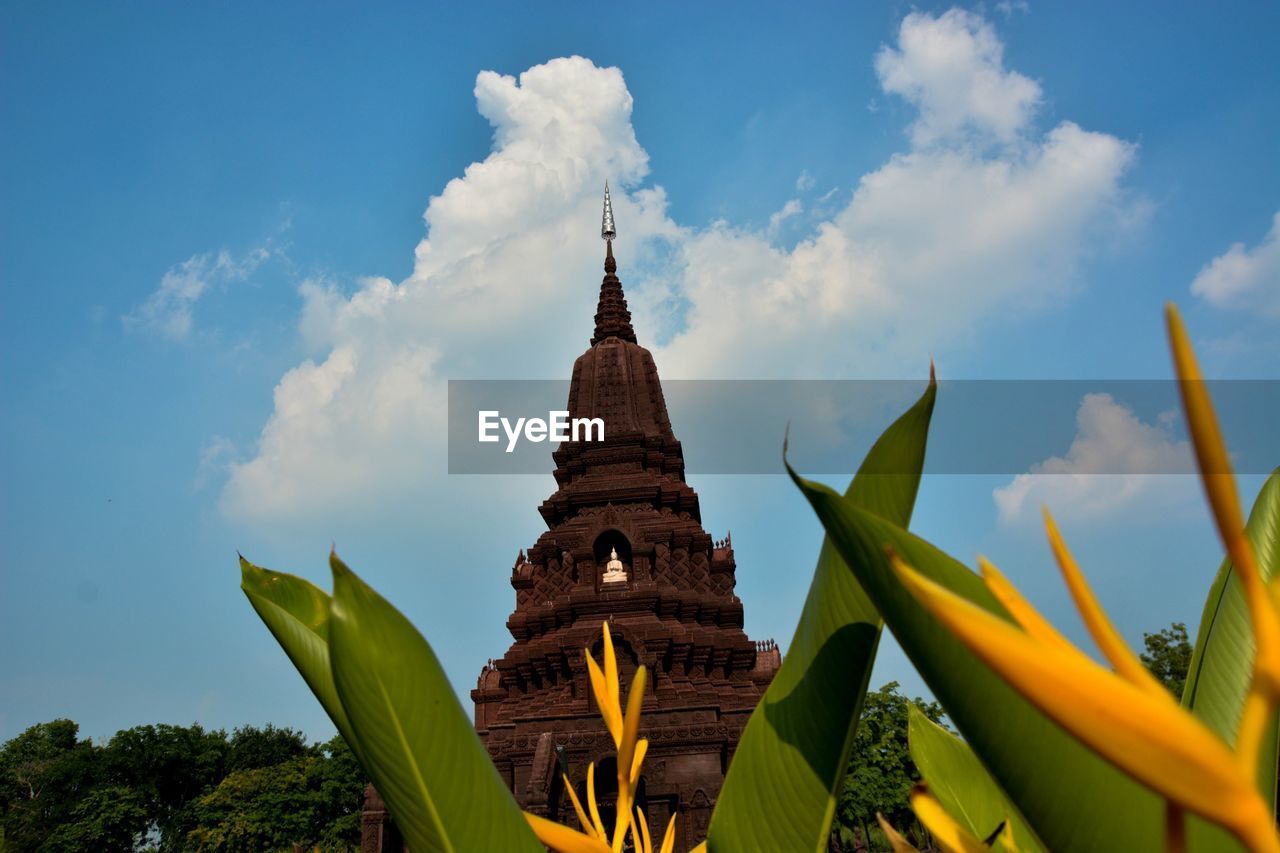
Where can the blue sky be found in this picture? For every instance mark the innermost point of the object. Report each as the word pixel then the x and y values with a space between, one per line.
pixel 225 324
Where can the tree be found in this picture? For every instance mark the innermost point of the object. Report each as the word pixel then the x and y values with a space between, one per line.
pixel 881 771
pixel 341 781
pixel 313 801
pixel 252 747
pixel 178 788
pixel 108 817
pixel 265 808
pixel 44 773
pixel 1168 656
pixel 169 767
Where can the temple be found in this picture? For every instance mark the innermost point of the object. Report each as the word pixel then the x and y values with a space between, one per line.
pixel 624 544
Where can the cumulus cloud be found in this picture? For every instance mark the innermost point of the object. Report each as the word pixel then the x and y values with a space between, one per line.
pixel 168 310
pixel 509 253
pixel 952 69
pixel 793 207
pixel 1084 483
pixel 340 432
pixel 1009 7
pixel 214 458
pixel 943 237
pixel 1244 278
pixel 931 244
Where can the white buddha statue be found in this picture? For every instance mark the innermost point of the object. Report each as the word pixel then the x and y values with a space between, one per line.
pixel 614 570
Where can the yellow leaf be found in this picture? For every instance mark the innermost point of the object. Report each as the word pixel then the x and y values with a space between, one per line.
pixel 591 802
pixel 951 836
pixel 640 831
pixel 604 699
pixel 896 841
pixel 1019 608
pixel 577 807
pixel 562 838
pixel 611 667
pixel 637 763
pixel 1147 736
pixel 1109 641
pixel 669 838
pixel 1224 500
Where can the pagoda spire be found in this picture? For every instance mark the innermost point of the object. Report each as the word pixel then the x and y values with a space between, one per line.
pixel 607 231
pixel 613 320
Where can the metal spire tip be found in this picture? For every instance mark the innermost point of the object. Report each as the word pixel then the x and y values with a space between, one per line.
pixel 607 229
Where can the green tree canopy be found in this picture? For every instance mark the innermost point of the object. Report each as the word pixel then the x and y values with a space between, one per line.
pixel 107 817
pixel 1168 656
pixel 881 771
pixel 252 747
pixel 310 801
pixel 177 788
pixel 168 767
pixel 44 772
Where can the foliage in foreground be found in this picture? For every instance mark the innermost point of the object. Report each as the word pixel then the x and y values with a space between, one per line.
pixel 881 771
pixel 1087 757
pixel 1057 752
pixel 174 788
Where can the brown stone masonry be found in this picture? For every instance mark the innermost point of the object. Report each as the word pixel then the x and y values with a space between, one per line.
pixel 674 611
pixel 625 544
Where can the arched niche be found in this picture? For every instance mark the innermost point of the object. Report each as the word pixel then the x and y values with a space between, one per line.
pixel 608 541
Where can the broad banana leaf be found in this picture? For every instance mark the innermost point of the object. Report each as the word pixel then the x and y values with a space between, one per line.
pixel 296 612
pixel 1074 800
pixel 961 783
pixel 784 781
pixel 1222 662
pixel 388 695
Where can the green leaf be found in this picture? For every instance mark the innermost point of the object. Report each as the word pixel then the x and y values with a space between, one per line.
pixel 296 612
pixel 1222 663
pixel 783 784
pixel 1072 798
pixel 961 784
pixel 415 739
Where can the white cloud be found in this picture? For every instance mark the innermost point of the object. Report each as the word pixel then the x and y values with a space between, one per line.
pixel 168 310
pixel 792 208
pixel 935 242
pixel 943 237
pixel 1244 278
pixel 1008 7
pixel 1084 484
pixel 952 69
pixel 214 459
pixel 339 434
pixel 510 251
pixel 805 182
pixel 931 244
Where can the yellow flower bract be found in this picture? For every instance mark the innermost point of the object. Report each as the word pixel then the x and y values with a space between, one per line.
pixel 625 730
pixel 1125 715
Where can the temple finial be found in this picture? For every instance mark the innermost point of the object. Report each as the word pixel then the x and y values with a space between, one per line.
pixel 607 231
pixel 613 320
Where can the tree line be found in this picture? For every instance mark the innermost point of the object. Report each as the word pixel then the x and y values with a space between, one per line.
pixel 168 788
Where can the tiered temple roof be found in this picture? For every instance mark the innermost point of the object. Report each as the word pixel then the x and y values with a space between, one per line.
pixel 674 610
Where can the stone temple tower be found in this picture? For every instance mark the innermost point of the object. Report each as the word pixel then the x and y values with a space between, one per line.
pixel 624 543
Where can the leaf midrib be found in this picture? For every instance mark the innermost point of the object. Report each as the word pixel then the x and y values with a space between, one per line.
pixel 413 763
